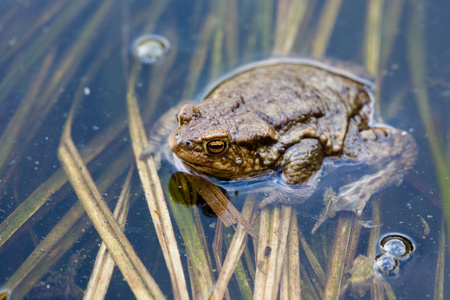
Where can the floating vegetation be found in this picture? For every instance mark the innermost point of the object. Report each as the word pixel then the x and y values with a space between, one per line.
pixel 77 106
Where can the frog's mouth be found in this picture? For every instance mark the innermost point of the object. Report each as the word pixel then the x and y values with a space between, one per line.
pixel 209 171
pixel 220 174
pixel 201 169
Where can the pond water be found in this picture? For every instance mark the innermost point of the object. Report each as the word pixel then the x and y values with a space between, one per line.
pixel 82 55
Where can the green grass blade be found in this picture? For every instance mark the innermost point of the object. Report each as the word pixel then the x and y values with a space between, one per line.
pixel 417 63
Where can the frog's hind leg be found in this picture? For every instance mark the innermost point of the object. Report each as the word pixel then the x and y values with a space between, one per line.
pixel 392 150
pixel 302 166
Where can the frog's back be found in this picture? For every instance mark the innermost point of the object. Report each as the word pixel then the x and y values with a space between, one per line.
pixel 297 100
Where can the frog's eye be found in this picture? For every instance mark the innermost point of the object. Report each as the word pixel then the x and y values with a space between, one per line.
pixel 216 146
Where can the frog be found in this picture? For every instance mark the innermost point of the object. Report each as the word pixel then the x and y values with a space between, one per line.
pixel 289 118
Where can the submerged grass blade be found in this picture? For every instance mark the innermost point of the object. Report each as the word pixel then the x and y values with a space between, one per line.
pixel 325 27
pixel 391 22
pixel 372 44
pixel 312 260
pixel 235 250
pixel 132 268
pixel 199 59
pixel 104 263
pixel 35 201
pixel 388 289
pixel 22 213
pixel 390 110
pixel 219 12
pixel 154 194
pixel 240 274
pixel 289 18
pixel 379 287
pixel 306 35
pixel 224 209
pixel 372 52
pixel 440 267
pixel 280 25
pixel 353 243
pixel 272 245
pixel 292 261
pixel 217 245
pixel 81 46
pixel 40 46
pixel 338 257
pixel 308 289
pixel 60 239
pixel 158 80
pixel 55 10
pixel 243 282
pixel 37 108
pixel 374 231
pixel 261 259
pixel 279 247
pixel 373 35
pixel 200 269
pixel 232 34
pixel 249 259
pixel 11 135
pixel 417 64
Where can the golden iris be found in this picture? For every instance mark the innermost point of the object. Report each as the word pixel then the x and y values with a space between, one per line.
pixel 216 146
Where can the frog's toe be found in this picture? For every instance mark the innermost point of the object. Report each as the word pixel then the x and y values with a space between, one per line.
pixel 268 199
pixel 279 198
pixel 375 134
pixel 146 153
pixel 353 197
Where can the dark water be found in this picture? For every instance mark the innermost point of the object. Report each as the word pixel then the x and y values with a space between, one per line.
pixel 53 52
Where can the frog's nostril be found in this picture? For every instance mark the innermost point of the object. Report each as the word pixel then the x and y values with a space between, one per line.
pixel 188 143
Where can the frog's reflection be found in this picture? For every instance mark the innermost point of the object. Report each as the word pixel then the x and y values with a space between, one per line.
pixel 187 188
pixel 184 189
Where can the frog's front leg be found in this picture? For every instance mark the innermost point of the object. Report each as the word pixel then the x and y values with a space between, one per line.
pixel 160 132
pixel 301 166
pixel 392 150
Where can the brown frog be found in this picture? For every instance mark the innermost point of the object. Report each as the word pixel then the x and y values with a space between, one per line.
pixel 290 116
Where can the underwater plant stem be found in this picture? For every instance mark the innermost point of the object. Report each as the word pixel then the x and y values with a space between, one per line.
pixel 234 253
pixel 132 268
pixel 312 260
pixel 292 261
pixel 337 259
pixel 104 263
pixel 373 35
pixel 440 266
pixel 61 238
pixel 290 15
pixel 200 269
pixel 99 143
pixel 325 27
pixel 417 63
pixel 154 193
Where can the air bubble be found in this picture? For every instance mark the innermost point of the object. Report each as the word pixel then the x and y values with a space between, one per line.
pixel 150 48
pixel 398 245
pixel 395 247
pixel 386 264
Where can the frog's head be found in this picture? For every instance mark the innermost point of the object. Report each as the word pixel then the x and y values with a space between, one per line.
pixel 205 142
